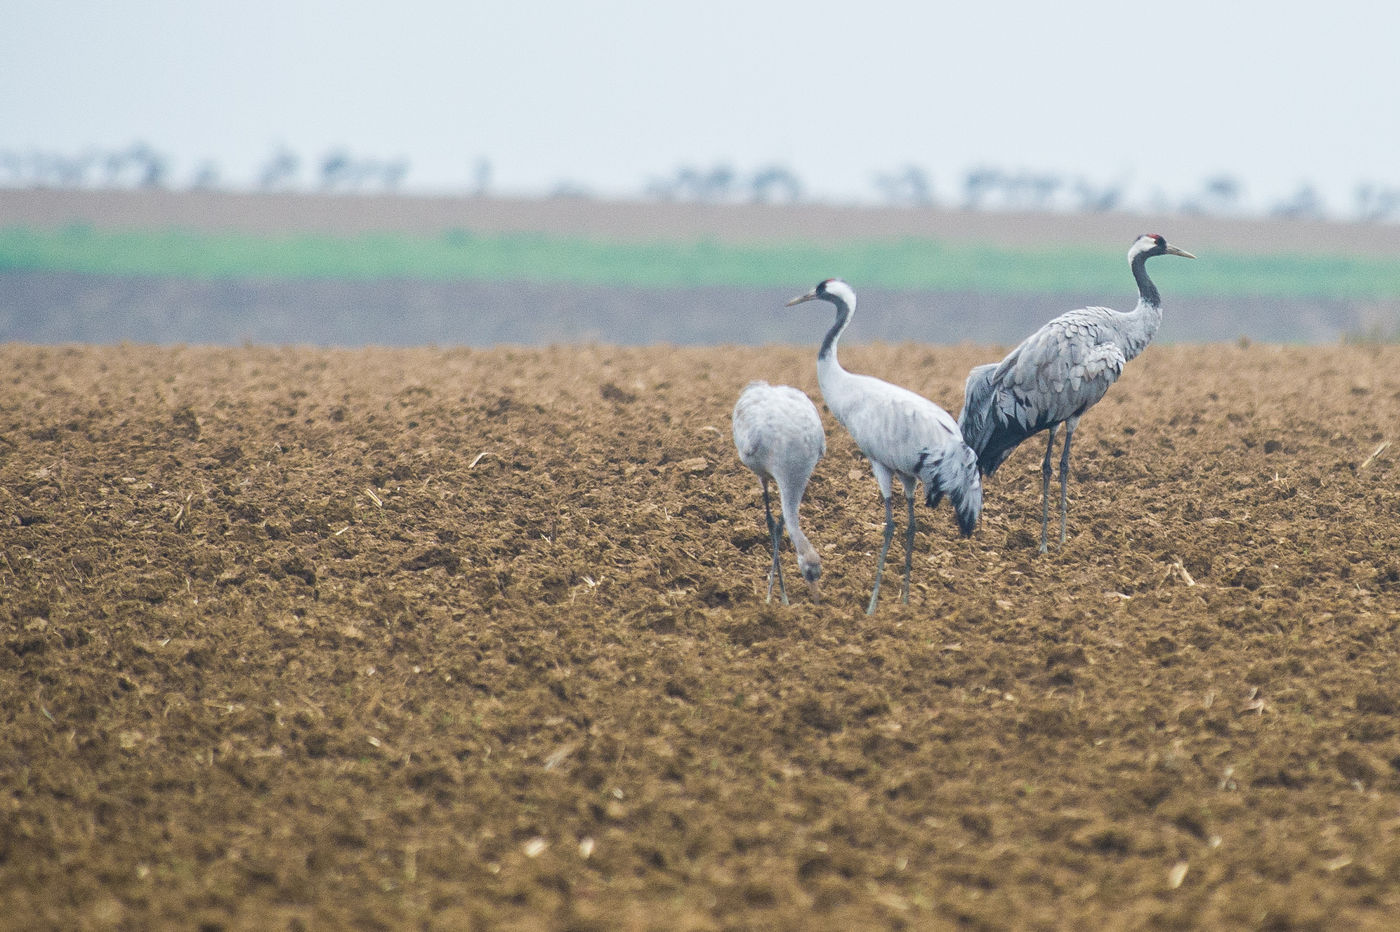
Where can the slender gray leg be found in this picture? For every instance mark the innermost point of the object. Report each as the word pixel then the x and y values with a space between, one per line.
pixel 1070 425
pixel 908 545
pixel 775 531
pixel 884 550
pixel 1045 473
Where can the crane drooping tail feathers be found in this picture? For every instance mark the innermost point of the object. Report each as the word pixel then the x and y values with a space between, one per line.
pixel 998 414
pixel 976 420
pixel 953 472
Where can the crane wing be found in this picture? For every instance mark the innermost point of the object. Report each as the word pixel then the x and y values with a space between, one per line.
pixel 975 419
pixel 895 426
pixel 1060 371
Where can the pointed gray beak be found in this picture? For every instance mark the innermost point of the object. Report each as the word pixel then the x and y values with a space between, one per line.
pixel 1173 251
pixel 809 296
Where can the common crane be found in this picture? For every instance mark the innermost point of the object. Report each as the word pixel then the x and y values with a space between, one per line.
pixel 1057 374
pixel 779 436
pixel 902 434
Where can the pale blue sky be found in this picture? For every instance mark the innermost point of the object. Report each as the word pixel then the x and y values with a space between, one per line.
pixel 613 94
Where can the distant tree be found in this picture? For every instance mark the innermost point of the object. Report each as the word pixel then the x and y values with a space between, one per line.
pixel 342 171
pixel 153 166
pixel 775 183
pixel 1095 199
pixel 1219 196
pixel 481 176
pixel 718 184
pixel 206 176
pixel 1224 192
pixel 337 170
pixel 137 166
pixel 1375 204
pixel 908 186
pixel 1303 204
pixel 689 184
pixel 980 185
pixel 280 169
pixel 114 164
pixel 11 167
pixel 68 171
pixel 663 189
pixel 712 185
pixel 986 188
pixel 393 172
pixel 1033 191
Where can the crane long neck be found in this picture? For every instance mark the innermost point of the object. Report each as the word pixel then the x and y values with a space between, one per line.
pixel 791 522
pixel 1147 316
pixel 1147 292
pixel 826 357
pixel 807 554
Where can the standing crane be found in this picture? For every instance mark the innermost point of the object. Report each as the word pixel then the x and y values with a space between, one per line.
pixel 779 435
pixel 901 433
pixel 1057 374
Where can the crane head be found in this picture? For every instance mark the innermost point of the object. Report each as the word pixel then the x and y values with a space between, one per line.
pixel 809 563
pixel 1154 244
pixel 832 289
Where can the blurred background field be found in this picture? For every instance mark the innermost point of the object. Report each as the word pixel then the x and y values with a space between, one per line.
pixel 401 270
pixel 910 264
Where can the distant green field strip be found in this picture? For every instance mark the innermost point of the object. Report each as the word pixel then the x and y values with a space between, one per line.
pixel 898 263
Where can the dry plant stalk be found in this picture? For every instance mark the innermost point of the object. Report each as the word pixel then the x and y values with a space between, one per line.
pixel 1185 576
pixel 1374 453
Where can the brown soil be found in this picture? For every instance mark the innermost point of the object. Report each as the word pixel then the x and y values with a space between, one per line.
pixel 301 638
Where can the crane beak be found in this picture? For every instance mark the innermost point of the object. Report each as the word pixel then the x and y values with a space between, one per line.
pixel 809 296
pixel 816 591
pixel 1173 251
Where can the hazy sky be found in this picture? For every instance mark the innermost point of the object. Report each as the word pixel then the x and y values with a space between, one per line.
pixel 610 95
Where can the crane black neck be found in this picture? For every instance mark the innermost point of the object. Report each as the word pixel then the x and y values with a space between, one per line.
pixel 843 317
pixel 1147 292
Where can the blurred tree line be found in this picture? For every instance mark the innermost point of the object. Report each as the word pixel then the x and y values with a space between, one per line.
pixel 142 166
pixel 984 187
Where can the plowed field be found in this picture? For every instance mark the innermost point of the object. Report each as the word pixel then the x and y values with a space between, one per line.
pixel 300 638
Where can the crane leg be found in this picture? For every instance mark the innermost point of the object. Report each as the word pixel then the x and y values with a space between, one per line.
pixel 1070 425
pixel 775 531
pixel 1046 471
pixel 884 551
pixel 908 546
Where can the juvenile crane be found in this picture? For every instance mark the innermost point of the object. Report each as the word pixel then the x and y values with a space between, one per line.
pixel 779 435
pixel 1057 374
pixel 902 434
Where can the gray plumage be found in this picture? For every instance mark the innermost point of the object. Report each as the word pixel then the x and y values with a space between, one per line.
pixel 779 436
pixel 902 434
pixel 1058 373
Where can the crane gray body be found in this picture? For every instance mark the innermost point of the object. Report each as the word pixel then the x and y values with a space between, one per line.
pixel 1056 375
pixel 778 434
pixel 903 435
